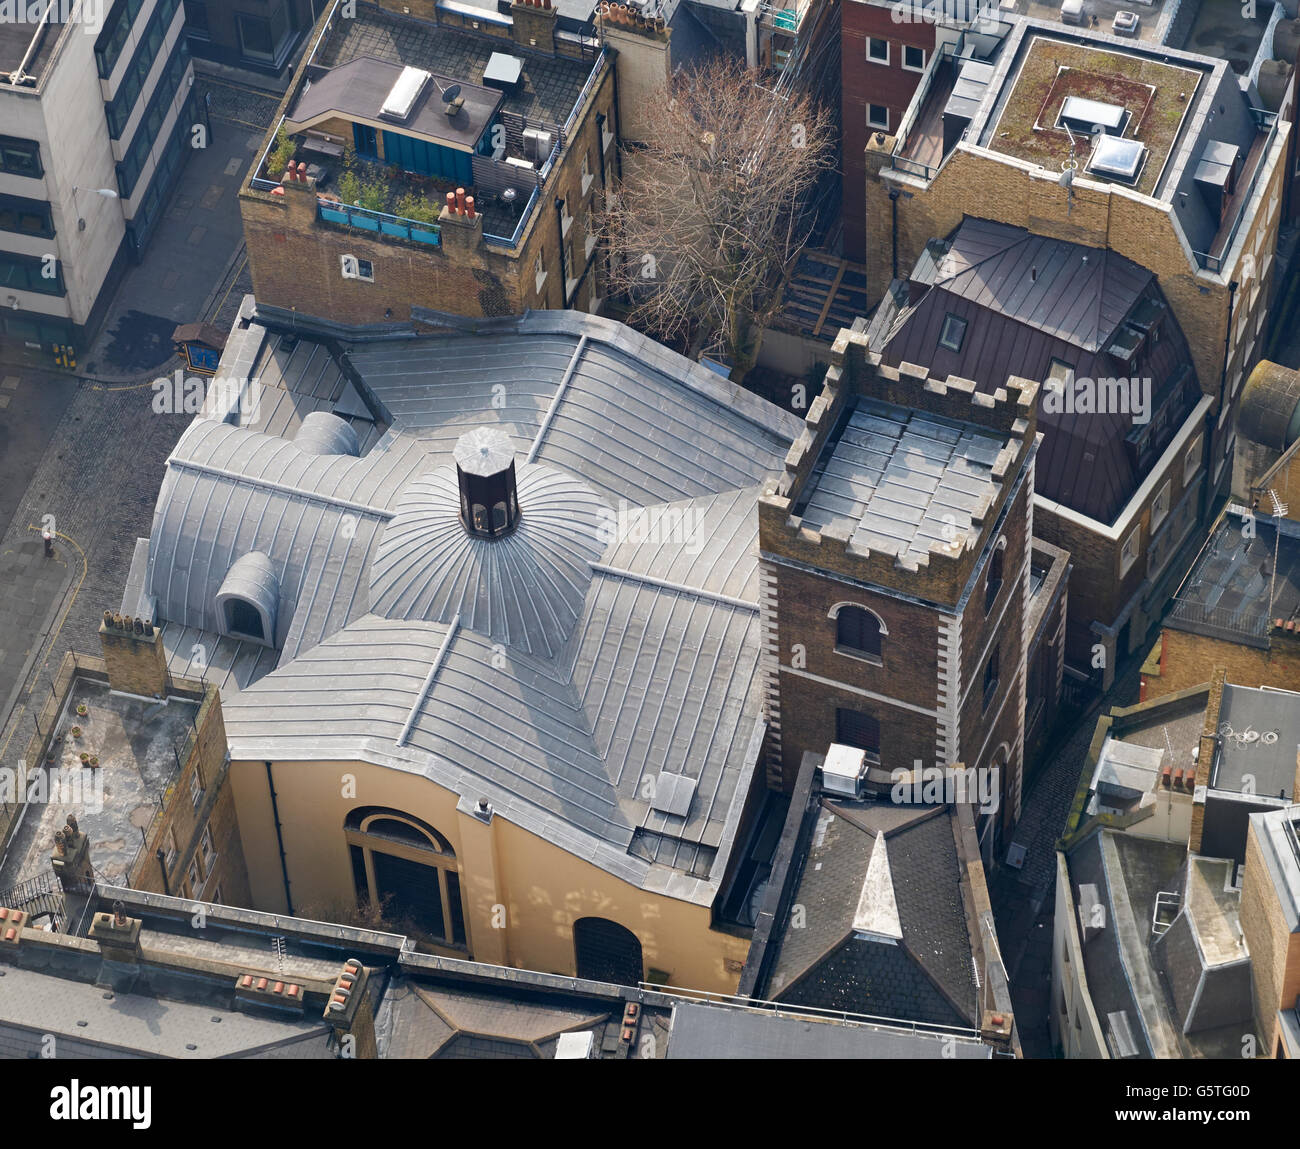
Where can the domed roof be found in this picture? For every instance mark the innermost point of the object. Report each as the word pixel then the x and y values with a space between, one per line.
pixel 526 589
pixel 1269 413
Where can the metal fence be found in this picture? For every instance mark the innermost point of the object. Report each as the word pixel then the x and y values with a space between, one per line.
pixel 381 223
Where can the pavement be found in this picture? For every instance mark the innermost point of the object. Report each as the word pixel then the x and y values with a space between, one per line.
pixel 197 242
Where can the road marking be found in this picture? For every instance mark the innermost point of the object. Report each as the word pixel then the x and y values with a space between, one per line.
pixel 233 168
pixel 4 402
pixel 10 383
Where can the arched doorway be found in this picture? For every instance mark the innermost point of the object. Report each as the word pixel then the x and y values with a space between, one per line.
pixel 404 865
pixel 606 951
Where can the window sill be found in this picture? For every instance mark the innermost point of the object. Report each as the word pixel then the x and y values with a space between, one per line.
pixel 860 656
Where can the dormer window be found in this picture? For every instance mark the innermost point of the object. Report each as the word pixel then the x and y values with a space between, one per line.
pixel 249 598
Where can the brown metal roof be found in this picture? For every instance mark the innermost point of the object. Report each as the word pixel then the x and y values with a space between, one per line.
pixel 1027 301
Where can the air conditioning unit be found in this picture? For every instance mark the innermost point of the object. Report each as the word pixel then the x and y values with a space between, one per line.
pixel 516 162
pixel 537 145
pixel 844 771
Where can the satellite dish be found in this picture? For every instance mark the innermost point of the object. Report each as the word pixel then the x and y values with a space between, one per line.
pixel 508 195
pixel 449 94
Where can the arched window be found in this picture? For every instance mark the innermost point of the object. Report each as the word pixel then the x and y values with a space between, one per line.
pixel 994 583
pixel 408 869
pixel 606 951
pixel 243 620
pixel 480 517
pixel 858 631
pixel 500 516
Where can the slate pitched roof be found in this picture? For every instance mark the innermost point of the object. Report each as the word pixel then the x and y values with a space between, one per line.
pixel 847 955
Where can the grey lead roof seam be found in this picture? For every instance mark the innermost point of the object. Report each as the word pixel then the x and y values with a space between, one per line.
pixel 556 398
pixel 280 488
pixel 668 584
pixel 428 679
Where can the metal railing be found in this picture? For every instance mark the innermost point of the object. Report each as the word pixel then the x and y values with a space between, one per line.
pixel 1211 262
pixel 379 222
pixel 942 57
pixel 1231 623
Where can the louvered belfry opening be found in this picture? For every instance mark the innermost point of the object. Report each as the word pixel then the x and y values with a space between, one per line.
pixel 485 470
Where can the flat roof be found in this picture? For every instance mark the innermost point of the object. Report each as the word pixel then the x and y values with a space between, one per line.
pixel 703 1031
pixel 547 93
pixel 1156 95
pixel 137 743
pixel 358 90
pixel 1259 731
pixel 899 480
pixel 1233 591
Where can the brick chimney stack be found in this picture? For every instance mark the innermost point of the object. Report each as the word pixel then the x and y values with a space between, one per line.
pixel 533 24
pixel 134 655
pixel 460 226
pixel 71 857
pixel 349 1014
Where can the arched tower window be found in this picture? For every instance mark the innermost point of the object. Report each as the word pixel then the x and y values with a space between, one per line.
pixel 858 631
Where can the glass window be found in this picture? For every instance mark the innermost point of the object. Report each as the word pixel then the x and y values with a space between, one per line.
pixel 1129 553
pixel 20 157
pixel 1160 508
pixel 991 677
pixel 913 58
pixel 953 334
pixel 878 116
pixel 877 50
pixel 25 216
pixel 994 583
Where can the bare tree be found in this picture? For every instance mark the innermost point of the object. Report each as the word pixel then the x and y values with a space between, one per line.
pixel 709 216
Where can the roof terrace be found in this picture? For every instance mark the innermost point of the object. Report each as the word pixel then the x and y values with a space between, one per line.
pixel 476 111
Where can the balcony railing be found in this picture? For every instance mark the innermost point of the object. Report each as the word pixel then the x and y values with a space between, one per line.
pixel 1208 261
pixel 1248 627
pixel 396 226
pixel 913 113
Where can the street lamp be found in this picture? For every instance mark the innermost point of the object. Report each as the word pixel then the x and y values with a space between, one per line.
pixel 107 193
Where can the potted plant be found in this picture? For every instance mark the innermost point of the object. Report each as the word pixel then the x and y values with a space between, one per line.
pixel 85 757
pixel 82 710
pixel 76 732
pixel 93 763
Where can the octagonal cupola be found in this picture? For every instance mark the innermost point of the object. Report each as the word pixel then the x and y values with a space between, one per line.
pixel 485 470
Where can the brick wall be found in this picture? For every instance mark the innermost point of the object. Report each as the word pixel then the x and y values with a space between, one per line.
pixel 1188 659
pixel 865 82
pixel 136 663
pixel 183 821
pixel 1274 950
